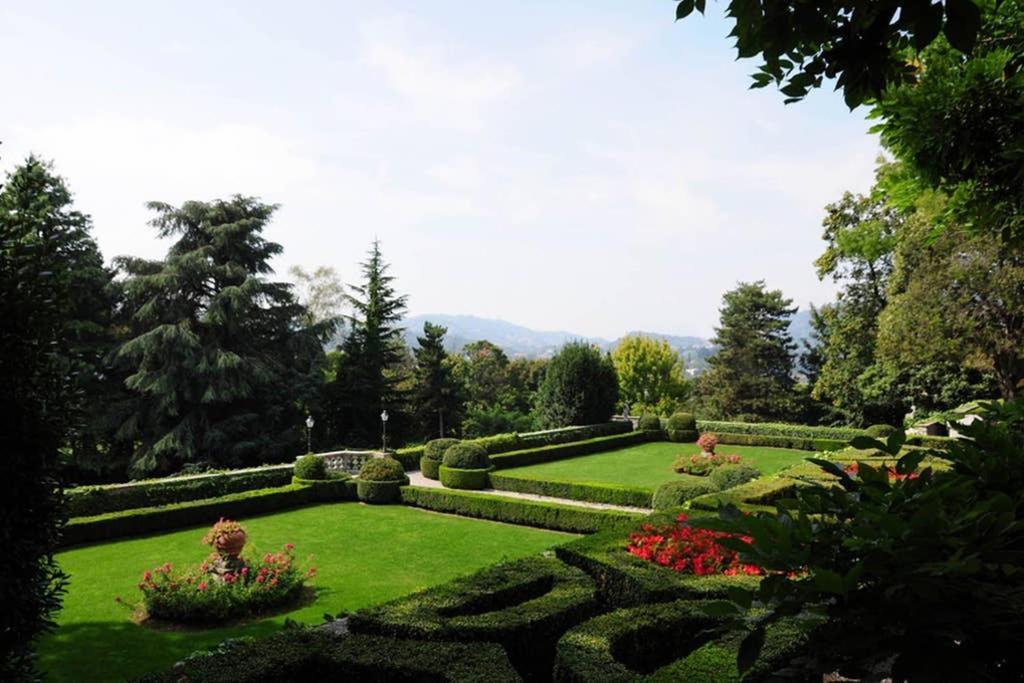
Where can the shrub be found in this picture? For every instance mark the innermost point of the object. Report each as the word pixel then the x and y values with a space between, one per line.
pixel 675 493
pixel 456 478
pixel 409 457
pixel 436 448
pixel 429 468
pixel 728 476
pixel 843 434
pixel 532 456
pixel 649 422
pixel 466 456
pixel 699 465
pixel 793 442
pixel 524 605
pixel 310 467
pixel 514 510
pixel 382 469
pixel 881 431
pixel 594 493
pixel 682 422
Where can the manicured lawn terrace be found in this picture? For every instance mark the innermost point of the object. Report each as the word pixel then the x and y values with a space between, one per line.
pixel 364 555
pixel 649 465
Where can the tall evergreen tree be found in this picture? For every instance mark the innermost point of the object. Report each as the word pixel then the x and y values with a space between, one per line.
pixel 53 306
pixel 751 374
pixel 373 355
pixel 438 398
pixel 580 387
pixel 223 361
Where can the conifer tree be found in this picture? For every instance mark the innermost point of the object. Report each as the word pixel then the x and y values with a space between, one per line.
pixel 222 360
pixel 438 397
pixel 580 387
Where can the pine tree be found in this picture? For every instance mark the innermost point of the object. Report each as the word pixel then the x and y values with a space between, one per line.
pixel 373 356
pixel 580 387
pixel 438 398
pixel 751 374
pixel 222 360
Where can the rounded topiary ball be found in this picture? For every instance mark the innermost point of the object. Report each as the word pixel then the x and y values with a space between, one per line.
pixel 682 422
pixel 649 423
pixel 881 431
pixel 674 493
pixel 382 469
pixel 310 467
pixel 467 456
pixel 728 476
pixel 434 450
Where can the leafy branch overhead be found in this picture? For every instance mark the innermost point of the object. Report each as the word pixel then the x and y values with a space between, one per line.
pixel 865 46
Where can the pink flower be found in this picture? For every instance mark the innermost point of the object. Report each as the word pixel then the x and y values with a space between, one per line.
pixel 245 571
pixel 202 585
pixel 146 576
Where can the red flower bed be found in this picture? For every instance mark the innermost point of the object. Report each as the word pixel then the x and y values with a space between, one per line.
pixel 683 548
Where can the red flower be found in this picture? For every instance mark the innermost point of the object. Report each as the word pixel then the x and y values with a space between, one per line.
pixel 202 585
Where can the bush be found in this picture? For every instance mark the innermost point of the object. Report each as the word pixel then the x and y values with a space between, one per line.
pixel 193 513
pixel 379 492
pixel 409 457
pixel 672 494
pixel 792 442
pixel 594 493
pixel 470 479
pixel 382 469
pixel 580 387
pixel 756 495
pixel 843 434
pixel 532 456
pixel 310 467
pixel 435 449
pixel 313 654
pixel 881 431
pixel 728 476
pixel 649 422
pixel 86 501
pixel 682 422
pixel 700 465
pixel 513 510
pixel 429 468
pixel 524 605
pixel 466 456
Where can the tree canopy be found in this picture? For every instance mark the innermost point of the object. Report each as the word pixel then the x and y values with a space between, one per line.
pixel 579 387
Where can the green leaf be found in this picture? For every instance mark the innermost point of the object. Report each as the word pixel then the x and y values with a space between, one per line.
pixel 829 582
pixel 895 442
pixel 740 596
pixel 750 649
pixel 866 442
pixel 684 9
pixel 927 26
pixel 963 20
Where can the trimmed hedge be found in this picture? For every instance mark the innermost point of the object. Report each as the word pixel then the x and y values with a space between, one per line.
pixel 524 605
pixel 625 580
pixel 86 501
pixel 313 654
pixel 649 422
pixel 843 434
pixel 430 468
pixel 759 494
pixel 728 476
pixel 310 467
pixel 674 641
pixel 435 449
pixel 195 513
pixel 593 493
pixel 672 494
pixel 794 442
pixel 379 492
pixel 466 456
pixel 385 469
pixel 681 428
pixel 881 431
pixel 409 457
pixel 939 442
pixel 532 456
pixel 514 510
pixel 462 478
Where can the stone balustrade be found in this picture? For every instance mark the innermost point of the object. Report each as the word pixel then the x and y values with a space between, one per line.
pixel 347 461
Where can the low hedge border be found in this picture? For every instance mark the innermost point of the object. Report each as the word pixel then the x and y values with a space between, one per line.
pixel 533 456
pixel 409 457
pixel 524 605
pixel 759 494
pixel 195 513
pixel 464 479
pixel 590 492
pixel 625 580
pixel 313 654
pixel 379 492
pixel 794 442
pixel 843 434
pixel 554 516
pixel 674 641
pixel 86 501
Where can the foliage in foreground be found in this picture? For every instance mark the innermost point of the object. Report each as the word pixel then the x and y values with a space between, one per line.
pixel 917 577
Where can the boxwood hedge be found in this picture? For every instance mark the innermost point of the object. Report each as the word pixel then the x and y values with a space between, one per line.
pixel 466 479
pixel 524 605
pixel 595 493
pixel 799 443
pixel 559 517
pixel 673 494
pixel 311 654
pixel 798 431
pixel 532 456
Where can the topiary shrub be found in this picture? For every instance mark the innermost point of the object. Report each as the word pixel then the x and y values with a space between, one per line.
pixel 675 493
pixel 682 428
pixel 649 422
pixel 466 456
pixel 728 476
pixel 881 431
pixel 379 480
pixel 435 449
pixel 310 467
pixel 429 467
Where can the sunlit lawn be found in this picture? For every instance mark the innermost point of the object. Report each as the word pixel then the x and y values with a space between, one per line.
pixel 364 555
pixel 649 465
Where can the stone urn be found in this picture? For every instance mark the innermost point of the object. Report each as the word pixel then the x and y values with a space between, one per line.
pixel 230 544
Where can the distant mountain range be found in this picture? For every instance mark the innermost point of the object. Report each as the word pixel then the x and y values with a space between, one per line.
pixel 519 341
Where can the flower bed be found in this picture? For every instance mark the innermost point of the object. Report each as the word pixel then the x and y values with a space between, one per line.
pixel 226 585
pixel 686 549
pixel 700 465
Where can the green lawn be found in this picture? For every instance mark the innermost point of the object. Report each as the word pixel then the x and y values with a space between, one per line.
pixel 649 465
pixel 364 555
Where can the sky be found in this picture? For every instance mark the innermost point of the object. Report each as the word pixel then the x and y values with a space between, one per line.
pixel 590 166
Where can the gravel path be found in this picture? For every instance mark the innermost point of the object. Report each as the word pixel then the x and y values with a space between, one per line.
pixel 416 478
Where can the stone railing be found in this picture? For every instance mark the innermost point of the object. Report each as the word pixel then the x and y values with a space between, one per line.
pixel 347 461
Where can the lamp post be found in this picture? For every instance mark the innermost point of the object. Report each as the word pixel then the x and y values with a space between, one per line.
pixel 384 428
pixel 309 433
